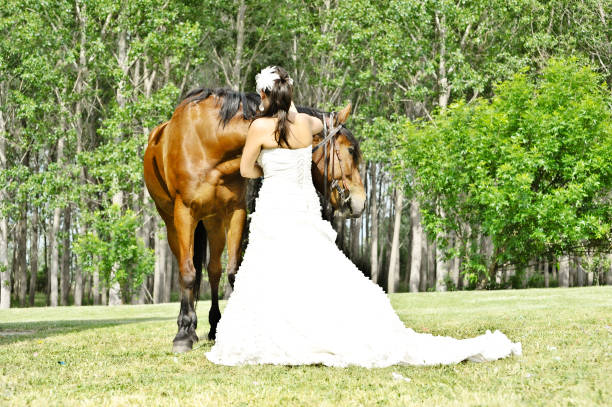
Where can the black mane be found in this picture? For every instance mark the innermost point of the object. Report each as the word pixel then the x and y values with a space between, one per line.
pixel 231 102
pixel 250 101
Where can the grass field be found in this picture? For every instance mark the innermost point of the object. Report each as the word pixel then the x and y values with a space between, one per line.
pixel 119 356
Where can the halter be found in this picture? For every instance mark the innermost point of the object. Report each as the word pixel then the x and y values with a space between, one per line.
pixel 329 138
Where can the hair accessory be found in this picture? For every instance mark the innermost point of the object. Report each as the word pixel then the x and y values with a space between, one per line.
pixel 264 81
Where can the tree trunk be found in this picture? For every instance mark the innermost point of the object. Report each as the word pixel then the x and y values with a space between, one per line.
pixel 5 274
pixel 65 286
pixel 53 240
pixel 444 86
pixel 564 266
pixel 160 268
pixel 78 273
pixel 114 292
pixel 416 247
pixel 442 266
pixel 81 12
pixel 167 288
pixel 546 275
pixel 33 256
pixel 103 294
pixel 374 226
pixel 239 45
pixel 22 268
pixel 580 275
pixel 87 289
pixel 431 265
pixel 95 287
pixel 393 276
pixel 46 266
pixel 455 263
pixel 573 275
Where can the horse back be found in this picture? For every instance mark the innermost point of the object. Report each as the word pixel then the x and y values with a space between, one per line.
pixel 198 157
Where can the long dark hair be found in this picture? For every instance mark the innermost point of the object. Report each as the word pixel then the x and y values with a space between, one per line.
pixel 280 97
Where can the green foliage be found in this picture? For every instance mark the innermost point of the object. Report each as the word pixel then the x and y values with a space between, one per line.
pixel 112 247
pixel 530 169
pixel 535 281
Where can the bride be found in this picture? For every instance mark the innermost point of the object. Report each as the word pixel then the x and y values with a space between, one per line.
pixel 298 299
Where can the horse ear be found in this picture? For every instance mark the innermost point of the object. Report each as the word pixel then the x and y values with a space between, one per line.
pixel 343 114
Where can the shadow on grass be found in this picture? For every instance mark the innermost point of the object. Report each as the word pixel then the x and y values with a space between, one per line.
pixel 14 332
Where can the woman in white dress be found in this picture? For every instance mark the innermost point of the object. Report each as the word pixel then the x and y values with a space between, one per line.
pixel 297 298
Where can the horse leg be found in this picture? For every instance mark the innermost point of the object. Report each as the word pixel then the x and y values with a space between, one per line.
pixel 237 220
pixel 216 241
pixel 187 321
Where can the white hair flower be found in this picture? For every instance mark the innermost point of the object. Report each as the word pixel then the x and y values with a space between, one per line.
pixel 264 81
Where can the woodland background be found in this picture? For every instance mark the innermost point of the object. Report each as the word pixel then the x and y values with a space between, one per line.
pixel 485 127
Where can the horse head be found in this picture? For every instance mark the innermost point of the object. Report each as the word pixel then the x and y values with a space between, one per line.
pixel 336 161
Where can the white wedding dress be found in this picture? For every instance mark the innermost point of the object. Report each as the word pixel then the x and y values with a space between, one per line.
pixel 299 300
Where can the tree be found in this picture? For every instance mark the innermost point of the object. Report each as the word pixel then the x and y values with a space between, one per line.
pixel 528 169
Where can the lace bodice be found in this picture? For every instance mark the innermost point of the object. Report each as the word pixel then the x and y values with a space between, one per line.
pixel 287 180
pixel 287 165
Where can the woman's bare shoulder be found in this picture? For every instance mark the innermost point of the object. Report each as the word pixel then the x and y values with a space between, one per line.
pixel 263 123
pixel 312 123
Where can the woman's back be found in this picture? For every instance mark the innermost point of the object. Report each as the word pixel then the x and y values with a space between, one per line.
pixel 299 133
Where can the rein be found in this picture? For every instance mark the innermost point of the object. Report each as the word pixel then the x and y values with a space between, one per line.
pixel 330 153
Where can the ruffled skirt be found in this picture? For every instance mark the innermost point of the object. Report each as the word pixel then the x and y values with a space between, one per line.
pixel 299 300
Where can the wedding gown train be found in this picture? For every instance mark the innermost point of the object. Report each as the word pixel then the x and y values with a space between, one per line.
pixel 299 300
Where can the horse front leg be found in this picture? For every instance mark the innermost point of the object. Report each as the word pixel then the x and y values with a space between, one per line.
pixel 237 220
pixel 216 240
pixel 187 321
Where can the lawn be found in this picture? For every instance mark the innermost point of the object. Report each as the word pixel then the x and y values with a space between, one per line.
pixel 102 356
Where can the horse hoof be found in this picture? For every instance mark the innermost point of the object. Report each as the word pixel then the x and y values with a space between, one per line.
pixel 182 346
pixel 194 337
pixel 212 335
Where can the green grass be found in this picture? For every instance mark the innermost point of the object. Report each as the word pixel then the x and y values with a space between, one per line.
pixel 122 356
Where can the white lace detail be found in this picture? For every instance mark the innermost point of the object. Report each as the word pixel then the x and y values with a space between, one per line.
pixel 301 176
pixel 299 300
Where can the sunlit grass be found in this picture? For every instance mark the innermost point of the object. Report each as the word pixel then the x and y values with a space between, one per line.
pixel 122 356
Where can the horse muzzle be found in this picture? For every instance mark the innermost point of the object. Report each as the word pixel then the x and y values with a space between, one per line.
pixel 355 205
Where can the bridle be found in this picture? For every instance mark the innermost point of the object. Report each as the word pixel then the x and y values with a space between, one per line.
pixel 330 154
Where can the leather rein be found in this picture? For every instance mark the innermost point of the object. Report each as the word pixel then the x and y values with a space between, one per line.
pixel 330 154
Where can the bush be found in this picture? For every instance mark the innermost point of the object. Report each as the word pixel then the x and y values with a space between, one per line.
pixel 536 281
pixel 530 169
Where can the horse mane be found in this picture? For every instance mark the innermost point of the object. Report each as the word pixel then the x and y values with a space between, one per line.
pixel 231 102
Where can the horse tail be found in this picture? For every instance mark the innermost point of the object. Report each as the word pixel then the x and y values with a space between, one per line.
pixel 200 243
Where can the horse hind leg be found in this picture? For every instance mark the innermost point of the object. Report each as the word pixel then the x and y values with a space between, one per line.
pixel 216 242
pixel 187 321
pixel 199 257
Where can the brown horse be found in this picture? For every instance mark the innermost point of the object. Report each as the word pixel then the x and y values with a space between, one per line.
pixel 192 172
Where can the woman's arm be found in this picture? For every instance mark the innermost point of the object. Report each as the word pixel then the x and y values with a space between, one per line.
pixel 316 125
pixel 250 152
